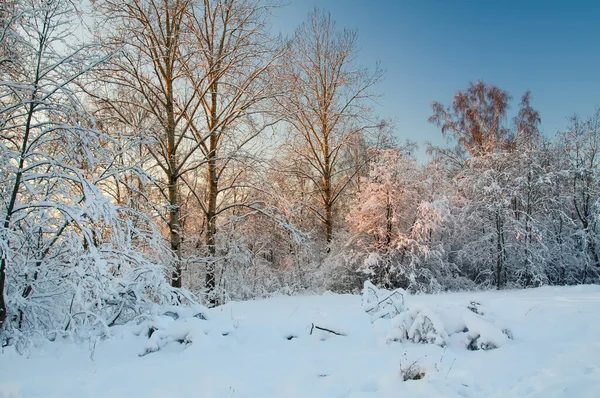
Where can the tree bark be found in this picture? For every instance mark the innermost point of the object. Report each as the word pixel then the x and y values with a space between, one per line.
pixel 327 194
pixel 174 200
pixel 499 258
pixel 211 229
pixel 3 308
pixel 174 232
pixel 213 190
pixel 388 221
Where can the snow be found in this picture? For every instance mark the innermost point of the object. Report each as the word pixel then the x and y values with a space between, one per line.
pixel 265 348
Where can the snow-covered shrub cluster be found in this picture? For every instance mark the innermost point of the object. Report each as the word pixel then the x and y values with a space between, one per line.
pixel 482 335
pixel 419 324
pixel 253 264
pixel 381 303
pixel 180 325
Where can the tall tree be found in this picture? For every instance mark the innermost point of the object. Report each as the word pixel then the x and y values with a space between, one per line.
pixel 231 74
pixel 326 105
pixel 148 71
pixel 199 67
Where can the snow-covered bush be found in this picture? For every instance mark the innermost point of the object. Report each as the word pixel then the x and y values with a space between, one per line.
pixel 412 370
pixel 79 281
pixel 469 326
pixel 381 303
pixel 419 325
pixel 470 330
pixel 338 270
pixel 252 263
pixel 483 335
pixel 181 325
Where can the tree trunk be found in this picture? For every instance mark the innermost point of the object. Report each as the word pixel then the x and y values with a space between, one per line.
pixel 211 229
pixel 327 195
pixel 499 252
pixel 529 234
pixel 589 242
pixel 592 245
pixel 328 223
pixel 174 232
pixel 211 206
pixel 389 225
pixel 2 283
pixel 15 192
pixel 174 204
pixel 593 251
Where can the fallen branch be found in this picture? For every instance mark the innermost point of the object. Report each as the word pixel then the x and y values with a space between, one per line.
pixel 313 326
pixel 529 310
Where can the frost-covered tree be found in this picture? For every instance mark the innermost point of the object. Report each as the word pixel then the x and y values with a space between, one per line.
pixel 398 221
pixel 500 186
pixel 71 259
pixel 388 201
pixel 231 72
pixel 530 203
pixel 580 144
pixel 488 188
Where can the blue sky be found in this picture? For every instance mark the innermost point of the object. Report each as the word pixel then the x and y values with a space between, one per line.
pixel 432 48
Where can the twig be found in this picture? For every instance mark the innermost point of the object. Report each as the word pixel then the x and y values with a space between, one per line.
pixel 294 311
pixel 394 293
pixel 452 364
pixel 529 310
pixel 313 326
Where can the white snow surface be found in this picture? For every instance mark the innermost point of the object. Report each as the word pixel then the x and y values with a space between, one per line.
pixel 243 350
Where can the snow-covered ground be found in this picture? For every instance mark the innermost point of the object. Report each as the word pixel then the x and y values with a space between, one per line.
pixel 265 348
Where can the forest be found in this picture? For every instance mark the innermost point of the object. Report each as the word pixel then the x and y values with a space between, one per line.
pixel 179 151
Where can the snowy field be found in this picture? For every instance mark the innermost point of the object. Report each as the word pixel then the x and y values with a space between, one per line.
pixel 265 348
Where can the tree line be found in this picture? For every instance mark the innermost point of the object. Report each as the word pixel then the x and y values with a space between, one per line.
pixel 183 152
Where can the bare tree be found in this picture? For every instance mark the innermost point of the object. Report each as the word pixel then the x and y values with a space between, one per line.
pixel 477 118
pixel 231 72
pixel 199 68
pixel 326 105
pixel 152 40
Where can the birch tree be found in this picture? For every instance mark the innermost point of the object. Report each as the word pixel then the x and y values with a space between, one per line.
pixel 477 119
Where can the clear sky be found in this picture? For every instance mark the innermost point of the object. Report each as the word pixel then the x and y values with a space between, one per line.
pixel 432 48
